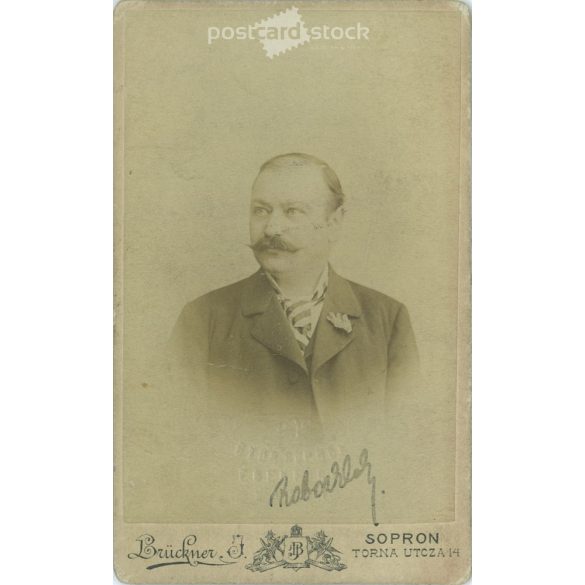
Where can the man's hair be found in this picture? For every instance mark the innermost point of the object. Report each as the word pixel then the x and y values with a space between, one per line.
pixel 299 159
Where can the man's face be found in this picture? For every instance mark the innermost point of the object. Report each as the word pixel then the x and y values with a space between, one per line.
pixel 292 225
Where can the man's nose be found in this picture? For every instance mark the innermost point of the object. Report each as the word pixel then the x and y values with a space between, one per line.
pixel 274 225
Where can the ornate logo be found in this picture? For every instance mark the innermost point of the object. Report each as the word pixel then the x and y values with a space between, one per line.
pixel 296 552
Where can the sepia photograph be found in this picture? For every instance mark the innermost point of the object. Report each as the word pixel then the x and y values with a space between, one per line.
pixel 295 338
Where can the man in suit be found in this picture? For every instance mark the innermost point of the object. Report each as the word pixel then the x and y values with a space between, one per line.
pixel 295 338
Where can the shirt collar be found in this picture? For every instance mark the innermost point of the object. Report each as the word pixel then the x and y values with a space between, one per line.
pixel 318 291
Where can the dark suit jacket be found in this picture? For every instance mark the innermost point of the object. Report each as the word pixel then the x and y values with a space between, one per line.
pixel 235 346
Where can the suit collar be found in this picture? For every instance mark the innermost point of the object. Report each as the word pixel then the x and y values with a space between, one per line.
pixel 340 297
pixel 331 340
pixel 270 326
pixel 272 329
pixel 257 294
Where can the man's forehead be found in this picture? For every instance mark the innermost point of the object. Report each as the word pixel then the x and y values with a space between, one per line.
pixel 301 183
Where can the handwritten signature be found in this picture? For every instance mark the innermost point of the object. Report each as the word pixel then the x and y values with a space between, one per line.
pixel 340 476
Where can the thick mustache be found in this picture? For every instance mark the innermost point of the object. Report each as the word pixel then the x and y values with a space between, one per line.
pixel 273 243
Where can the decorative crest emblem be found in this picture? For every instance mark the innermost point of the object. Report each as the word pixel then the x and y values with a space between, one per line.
pixel 296 551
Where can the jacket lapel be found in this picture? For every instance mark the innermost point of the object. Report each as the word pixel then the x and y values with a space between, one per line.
pixel 330 340
pixel 270 326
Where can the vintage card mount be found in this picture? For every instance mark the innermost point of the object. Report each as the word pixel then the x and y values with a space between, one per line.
pixel 292 303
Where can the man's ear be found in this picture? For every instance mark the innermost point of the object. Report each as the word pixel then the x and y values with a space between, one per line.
pixel 334 222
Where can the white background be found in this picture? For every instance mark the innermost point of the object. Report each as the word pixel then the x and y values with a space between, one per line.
pixel 528 248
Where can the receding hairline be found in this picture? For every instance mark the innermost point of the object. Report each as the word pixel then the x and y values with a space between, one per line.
pixel 300 160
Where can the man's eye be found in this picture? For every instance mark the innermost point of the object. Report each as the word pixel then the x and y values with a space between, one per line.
pixel 292 211
pixel 260 211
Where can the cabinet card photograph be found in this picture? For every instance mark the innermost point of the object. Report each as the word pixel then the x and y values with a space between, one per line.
pixel 292 291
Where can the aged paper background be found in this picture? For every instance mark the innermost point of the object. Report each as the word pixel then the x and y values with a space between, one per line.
pixel 193 123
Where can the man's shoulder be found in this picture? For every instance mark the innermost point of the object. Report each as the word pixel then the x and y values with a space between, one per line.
pixel 229 297
pixel 380 311
pixel 224 296
pixel 371 299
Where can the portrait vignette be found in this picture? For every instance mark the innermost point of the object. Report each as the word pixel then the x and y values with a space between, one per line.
pixel 295 337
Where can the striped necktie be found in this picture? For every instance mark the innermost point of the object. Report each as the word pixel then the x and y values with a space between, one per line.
pixel 301 312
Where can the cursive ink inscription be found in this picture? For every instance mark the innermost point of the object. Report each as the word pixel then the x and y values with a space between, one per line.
pixel 340 476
